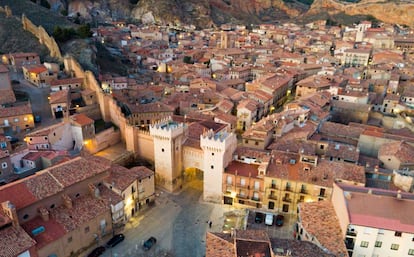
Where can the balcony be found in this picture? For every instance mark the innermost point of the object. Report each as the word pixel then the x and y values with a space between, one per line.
pixel 300 200
pixel 273 186
pixel 351 233
pixel 257 199
pixel 322 195
pixel 303 191
pixel 273 197
pixel 242 196
pixel 285 199
pixel 289 189
pixel 242 186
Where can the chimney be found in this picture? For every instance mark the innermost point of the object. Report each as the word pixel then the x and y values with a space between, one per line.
pixel 399 196
pixel 10 210
pixel 93 190
pixel 44 213
pixel 67 201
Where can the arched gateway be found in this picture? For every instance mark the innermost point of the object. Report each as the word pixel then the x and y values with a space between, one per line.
pixel 176 149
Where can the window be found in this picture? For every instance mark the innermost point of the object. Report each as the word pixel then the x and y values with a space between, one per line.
pixel 4 165
pixel 364 244
pixel 212 166
pixel 411 252
pixel 395 247
pixel 212 154
pixel 378 243
pixel 87 229
pixel 26 216
pixel 52 206
pixel 162 149
pixel 16 120
pixel 69 239
pixel 398 233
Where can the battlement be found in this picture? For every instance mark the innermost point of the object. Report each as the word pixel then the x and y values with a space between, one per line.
pixel 217 141
pixel 166 129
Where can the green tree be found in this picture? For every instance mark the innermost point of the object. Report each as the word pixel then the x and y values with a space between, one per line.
pixel 84 31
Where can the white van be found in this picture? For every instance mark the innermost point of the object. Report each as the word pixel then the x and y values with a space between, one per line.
pixel 269 219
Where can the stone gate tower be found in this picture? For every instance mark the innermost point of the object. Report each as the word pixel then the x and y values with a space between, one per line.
pixel 168 139
pixel 218 149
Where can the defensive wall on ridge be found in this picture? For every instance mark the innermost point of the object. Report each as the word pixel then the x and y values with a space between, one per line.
pixel 38 31
pixel 137 141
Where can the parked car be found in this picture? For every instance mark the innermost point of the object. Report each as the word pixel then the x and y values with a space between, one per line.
pixel 98 251
pixel 150 242
pixel 269 219
pixel 259 217
pixel 115 240
pixel 279 220
pixel 12 140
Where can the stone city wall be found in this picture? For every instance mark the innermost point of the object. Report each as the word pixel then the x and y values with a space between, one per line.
pixel 43 36
pixel 110 111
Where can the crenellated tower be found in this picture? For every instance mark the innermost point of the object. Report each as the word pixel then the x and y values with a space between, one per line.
pixel 168 139
pixel 218 149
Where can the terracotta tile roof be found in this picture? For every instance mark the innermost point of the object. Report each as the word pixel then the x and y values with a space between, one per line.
pixel 250 248
pixel 297 248
pixel 295 145
pixel 379 209
pixel 81 119
pixel 319 220
pixel 42 185
pixel 400 149
pixel 84 209
pixel 18 194
pixel 15 111
pixel 78 169
pixel 287 165
pixel 33 156
pixel 7 96
pixel 109 196
pixel 219 245
pixel 45 131
pixel 343 151
pixel 120 177
pixel 61 96
pixel 36 69
pixel 250 234
pixel 14 241
pixel 337 129
pixel 192 142
pixel 242 169
pixel 260 155
pixel 53 231
pixel 141 172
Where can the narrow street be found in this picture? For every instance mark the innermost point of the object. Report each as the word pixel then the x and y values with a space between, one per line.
pixel 178 222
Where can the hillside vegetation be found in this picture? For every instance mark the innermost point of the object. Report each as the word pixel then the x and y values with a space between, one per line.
pixel 37 14
pixel 14 39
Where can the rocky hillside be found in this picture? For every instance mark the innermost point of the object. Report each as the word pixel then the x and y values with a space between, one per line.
pixel 400 12
pixel 205 13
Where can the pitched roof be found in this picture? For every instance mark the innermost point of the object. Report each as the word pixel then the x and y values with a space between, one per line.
pixel 78 169
pixel 379 208
pixel 14 241
pixel 400 149
pixel 319 219
pixel 81 119
pixel 15 111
